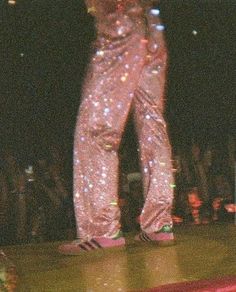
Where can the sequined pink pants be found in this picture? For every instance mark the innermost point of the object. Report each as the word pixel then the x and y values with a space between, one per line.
pixel 126 71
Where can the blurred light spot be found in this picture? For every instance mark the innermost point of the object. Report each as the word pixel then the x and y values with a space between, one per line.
pixel 159 27
pixel 11 2
pixel 155 11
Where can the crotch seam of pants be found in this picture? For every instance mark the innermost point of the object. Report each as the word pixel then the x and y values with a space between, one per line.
pixel 105 137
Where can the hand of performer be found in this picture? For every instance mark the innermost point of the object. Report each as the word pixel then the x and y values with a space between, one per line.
pixel 156 41
pixel 100 8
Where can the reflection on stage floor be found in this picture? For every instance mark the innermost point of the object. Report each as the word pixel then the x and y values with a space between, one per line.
pixel 201 252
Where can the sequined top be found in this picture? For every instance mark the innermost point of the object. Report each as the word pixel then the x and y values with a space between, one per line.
pixel 118 18
pixel 101 8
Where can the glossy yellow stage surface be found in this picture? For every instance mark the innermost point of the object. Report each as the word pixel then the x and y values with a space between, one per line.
pixel 201 252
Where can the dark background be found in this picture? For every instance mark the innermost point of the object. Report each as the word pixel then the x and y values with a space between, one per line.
pixel 44 49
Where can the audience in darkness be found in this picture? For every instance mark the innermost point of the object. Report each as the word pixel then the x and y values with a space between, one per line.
pixel 36 198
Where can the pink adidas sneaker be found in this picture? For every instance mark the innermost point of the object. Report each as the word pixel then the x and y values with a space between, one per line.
pixel 76 247
pixel 163 237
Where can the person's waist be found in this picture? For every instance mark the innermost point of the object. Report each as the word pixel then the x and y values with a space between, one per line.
pixel 120 25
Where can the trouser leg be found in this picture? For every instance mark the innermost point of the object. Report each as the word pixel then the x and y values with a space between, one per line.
pixel 102 117
pixel 155 150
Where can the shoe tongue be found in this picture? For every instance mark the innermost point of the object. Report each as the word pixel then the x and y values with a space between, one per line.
pixel 166 228
pixel 77 241
pixel 118 235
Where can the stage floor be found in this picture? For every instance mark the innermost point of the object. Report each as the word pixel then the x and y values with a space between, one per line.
pixel 201 252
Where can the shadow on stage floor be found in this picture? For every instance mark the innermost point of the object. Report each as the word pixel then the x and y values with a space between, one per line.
pixel 201 252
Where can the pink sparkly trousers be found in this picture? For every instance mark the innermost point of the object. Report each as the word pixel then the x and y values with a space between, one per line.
pixel 127 70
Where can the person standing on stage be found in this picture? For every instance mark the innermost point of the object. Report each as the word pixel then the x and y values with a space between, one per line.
pixel 127 71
